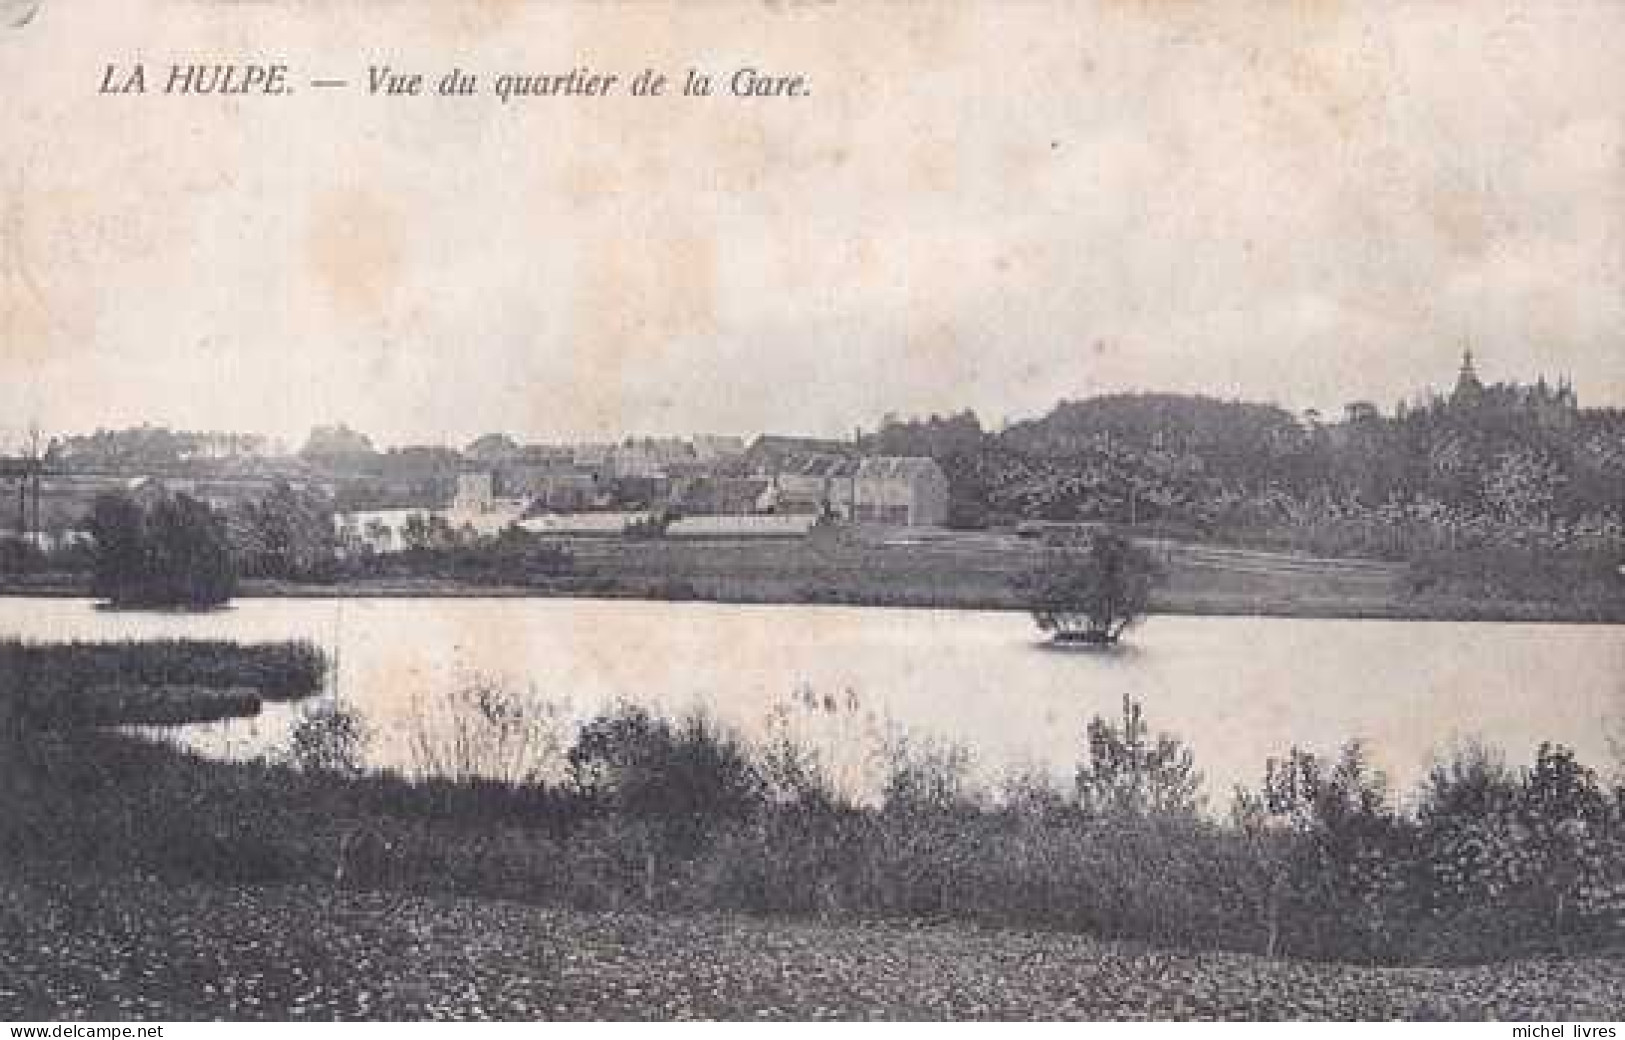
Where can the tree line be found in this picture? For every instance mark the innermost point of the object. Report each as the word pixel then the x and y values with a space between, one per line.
pixel 1518 466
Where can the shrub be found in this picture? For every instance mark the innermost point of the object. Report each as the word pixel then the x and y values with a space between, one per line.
pixel 1029 791
pixel 676 785
pixel 1330 856
pixel 1491 860
pixel 1545 848
pixel 924 776
pixel 1091 595
pixel 681 814
pixel 1467 814
pixel 486 731
pixel 684 775
pixel 795 775
pixel 329 739
pixel 1127 773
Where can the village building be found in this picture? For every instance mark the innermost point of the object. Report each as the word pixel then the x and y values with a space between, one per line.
pixel 809 483
pixel 1469 390
pixel 899 492
pixel 636 460
pixel 815 478
pixel 716 495
pixel 713 448
pixel 483 506
pixel 1553 405
pixel 567 491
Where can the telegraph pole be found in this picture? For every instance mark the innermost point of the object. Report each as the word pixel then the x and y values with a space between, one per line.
pixel 35 464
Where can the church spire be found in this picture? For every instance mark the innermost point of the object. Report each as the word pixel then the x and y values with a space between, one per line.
pixel 1468 388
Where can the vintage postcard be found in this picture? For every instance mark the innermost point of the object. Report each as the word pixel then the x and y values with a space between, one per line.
pixel 812 510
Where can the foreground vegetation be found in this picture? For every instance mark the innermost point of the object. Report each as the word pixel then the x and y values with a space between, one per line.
pixel 637 812
pixel 139 948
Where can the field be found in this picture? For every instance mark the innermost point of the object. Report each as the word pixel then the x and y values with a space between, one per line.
pixel 974 571
pixel 117 949
pixel 965 570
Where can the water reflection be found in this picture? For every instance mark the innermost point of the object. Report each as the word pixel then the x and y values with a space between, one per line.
pixel 1235 689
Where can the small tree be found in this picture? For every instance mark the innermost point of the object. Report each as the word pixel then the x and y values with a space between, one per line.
pixel 1573 839
pixel 287 534
pixel 1326 840
pixel 1130 773
pixel 1092 595
pixel 926 777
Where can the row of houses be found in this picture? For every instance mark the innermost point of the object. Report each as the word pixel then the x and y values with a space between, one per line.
pixel 701 487
pixel 890 490
pixel 712 476
pixel 782 488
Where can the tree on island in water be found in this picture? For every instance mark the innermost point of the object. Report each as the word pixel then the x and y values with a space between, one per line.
pixel 1089 595
pixel 174 554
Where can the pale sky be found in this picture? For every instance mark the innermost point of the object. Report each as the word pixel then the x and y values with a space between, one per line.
pixel 980 205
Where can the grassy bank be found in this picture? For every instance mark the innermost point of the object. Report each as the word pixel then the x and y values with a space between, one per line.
pixel 160 682
pixel 975 572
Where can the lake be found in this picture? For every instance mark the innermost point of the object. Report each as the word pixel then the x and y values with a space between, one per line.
pixel 842 678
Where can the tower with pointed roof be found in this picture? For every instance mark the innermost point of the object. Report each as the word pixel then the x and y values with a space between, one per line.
pixel 1469 390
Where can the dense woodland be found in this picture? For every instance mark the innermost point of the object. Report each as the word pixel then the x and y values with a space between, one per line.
pixel 1508 467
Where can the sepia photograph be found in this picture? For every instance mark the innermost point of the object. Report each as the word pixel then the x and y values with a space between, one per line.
pixel 812 511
